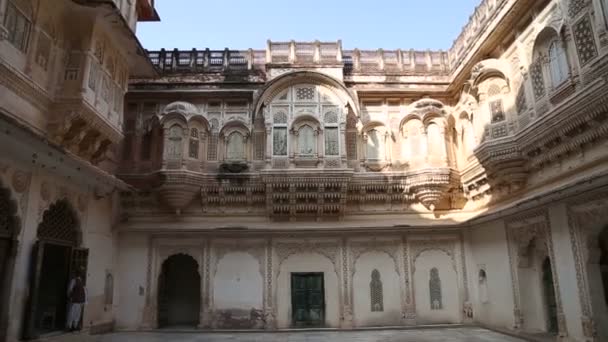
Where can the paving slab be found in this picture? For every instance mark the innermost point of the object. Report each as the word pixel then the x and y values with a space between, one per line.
pixel 461 334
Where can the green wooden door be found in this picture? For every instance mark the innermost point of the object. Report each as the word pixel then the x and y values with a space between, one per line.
pixel 307 299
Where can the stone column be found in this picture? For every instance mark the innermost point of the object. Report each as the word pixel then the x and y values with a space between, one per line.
pixel 269 305
pixel 346 321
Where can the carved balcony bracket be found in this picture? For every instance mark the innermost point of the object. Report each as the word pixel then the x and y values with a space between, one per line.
pixel 82 131
pixel 430 186
pixel 177 190
pixel 503 163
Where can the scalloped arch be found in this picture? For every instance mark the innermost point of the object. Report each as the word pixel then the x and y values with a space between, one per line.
pixel 282 82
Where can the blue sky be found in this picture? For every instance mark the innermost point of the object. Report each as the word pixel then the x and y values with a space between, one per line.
pixel 242 24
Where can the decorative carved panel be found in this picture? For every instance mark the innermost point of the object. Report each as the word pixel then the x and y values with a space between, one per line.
pixel 585 40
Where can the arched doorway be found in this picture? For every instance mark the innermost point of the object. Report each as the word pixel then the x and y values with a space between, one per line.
pixel 179 292
pixel 55 259
pixel 9 224
pixel 549 294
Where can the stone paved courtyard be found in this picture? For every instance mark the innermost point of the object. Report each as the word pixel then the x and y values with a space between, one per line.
pixel 461 334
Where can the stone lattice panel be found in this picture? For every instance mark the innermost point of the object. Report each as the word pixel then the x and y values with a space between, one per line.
pixel 59 223
pixel 212 148
pixel 538 81
pixel 259 146
pixel 499 131
pixel 376 292
pixel 576 6
pixel 521 102
pixel 305 94
pixel 585 41
pixel 435 290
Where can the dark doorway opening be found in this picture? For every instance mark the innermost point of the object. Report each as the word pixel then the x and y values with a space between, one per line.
pixel 51 311
pixel 307 299
pixel 55 259
pixel 604 261
pixel 179 292
pixel 549 292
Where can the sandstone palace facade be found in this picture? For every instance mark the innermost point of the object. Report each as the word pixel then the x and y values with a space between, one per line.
pixel 305 185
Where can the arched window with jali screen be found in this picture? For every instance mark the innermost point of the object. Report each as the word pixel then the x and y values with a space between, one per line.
pixel 375 145
pixel 331 134
pixel 435 290
pixel 558 64
pixel 174 143
pixel 235 146
pixel 307 141
pixel 194 145
pixel 279 134
pixel 376 292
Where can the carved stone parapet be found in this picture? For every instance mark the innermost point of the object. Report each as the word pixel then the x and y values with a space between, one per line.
pixel 578 121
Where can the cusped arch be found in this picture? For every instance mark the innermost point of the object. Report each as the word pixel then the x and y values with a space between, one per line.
pixel 233 126
pixel 489 68
pixel 277 85
pixel 60 223
pixel 185 108
pixel 182 255
pixel 542 41
pixel 199 120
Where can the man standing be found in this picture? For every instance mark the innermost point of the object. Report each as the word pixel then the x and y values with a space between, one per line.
pixel 77 298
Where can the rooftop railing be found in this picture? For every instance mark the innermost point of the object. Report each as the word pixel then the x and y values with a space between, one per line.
pixel 206 60
pixel 478 22
pixel 307 53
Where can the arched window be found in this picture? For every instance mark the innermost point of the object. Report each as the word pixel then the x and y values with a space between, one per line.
pixel 376 292
pixel 375 145
pixel 174 148
pixel 193 147
pixel 235 146
pixel 279 134
pixel 558 64
pixel 306 140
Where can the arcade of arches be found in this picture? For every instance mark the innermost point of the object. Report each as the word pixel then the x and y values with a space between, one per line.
pixel 304 184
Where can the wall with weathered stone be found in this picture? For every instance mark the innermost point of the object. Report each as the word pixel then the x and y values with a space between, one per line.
pixel 391 290
pixel 449 309
pixel 131 280
pixel 489 252
pixel 36 190
pixel 237 290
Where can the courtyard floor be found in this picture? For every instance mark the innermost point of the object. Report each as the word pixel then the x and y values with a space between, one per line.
pixel 459 334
